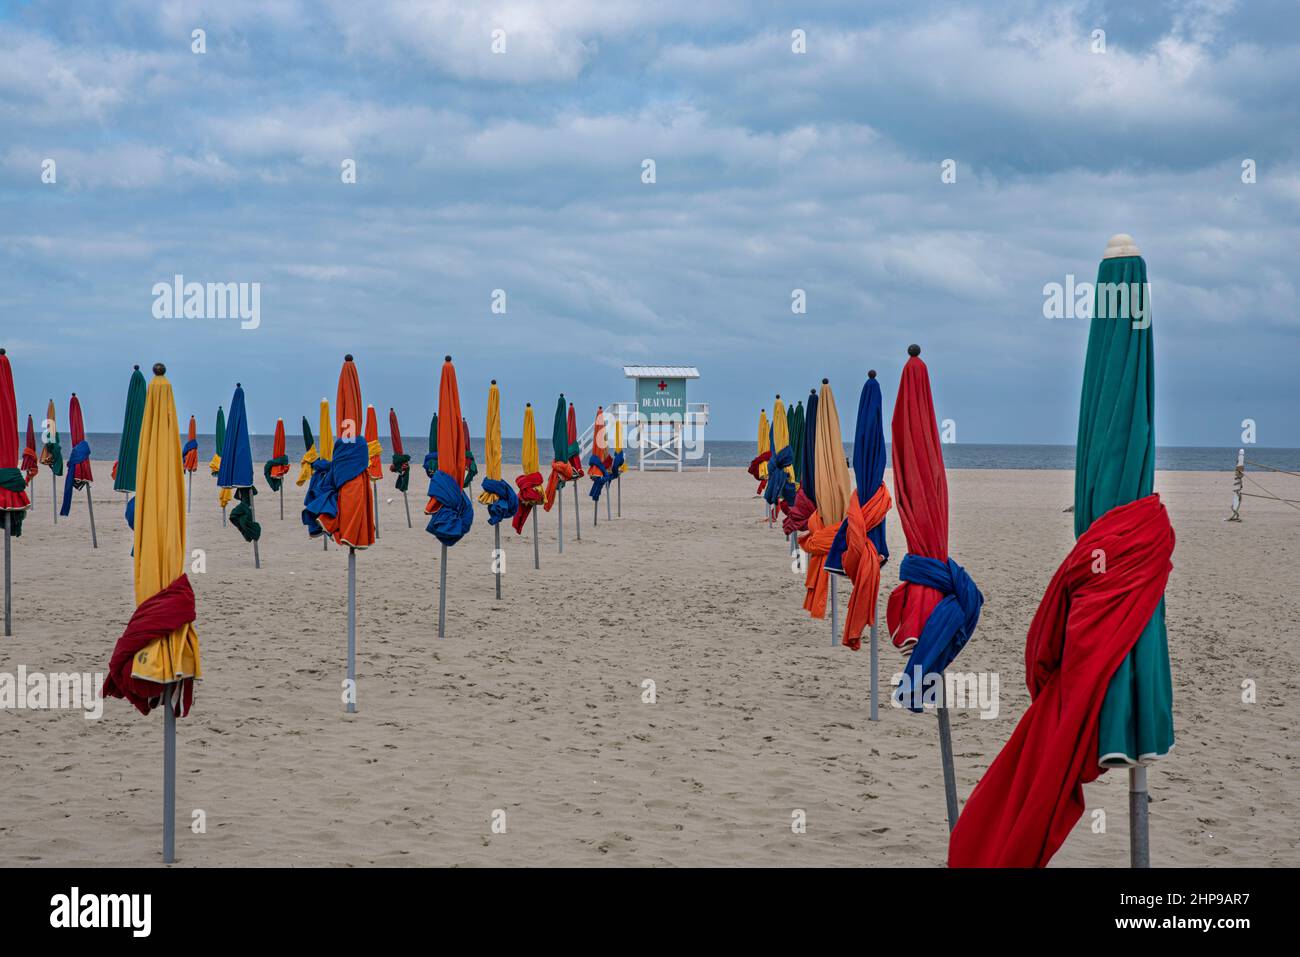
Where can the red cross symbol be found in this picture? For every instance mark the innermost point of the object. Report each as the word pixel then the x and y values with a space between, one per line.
pixel 662 385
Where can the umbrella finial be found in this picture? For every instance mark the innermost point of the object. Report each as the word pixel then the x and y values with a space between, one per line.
pixel 1119 246
pixel 136 368
pixel 778 395
pixel 826 381
pixel 446 358
pixel 158 368
pixel 2 352
pixel 348 357
pixel 871 373
pixel 239 385
pixel 528 405
pixel 494 381
pixel 914 350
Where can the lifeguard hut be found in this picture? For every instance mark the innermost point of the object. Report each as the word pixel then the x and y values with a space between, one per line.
pixel 660 424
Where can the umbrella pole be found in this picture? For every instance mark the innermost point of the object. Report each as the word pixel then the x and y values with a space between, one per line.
pixel 875 674
pixel 252 517
pixel 607 507
pixel 595 513
pixel 537 558
pixel 496 531
pixel 559 495
pixel 90 507
pixel 577 518
pixel 8 628
pixel 189 491
pixel 834 610
pixel 169 774
pixel 442 594
pixel 375 488
pixel 54 496
pixel 407 502
pixel 352 630
pixel 1139 837
pixel 945 753
pixel 619 483
pixel 282 500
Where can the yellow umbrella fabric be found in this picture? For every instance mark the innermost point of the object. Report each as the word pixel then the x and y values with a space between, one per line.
pixel 325 440
pixel 531 461
pixel 781 432
pixel 764 442
pixel 834 489
pixel 493 441
pixel 618 441
pixel 160 535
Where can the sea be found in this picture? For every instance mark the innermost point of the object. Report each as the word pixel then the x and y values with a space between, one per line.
pixel 724 453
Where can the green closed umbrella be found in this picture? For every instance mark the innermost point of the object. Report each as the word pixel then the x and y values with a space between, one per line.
pixel 1116 465
pixel 129 446
pixel 796 440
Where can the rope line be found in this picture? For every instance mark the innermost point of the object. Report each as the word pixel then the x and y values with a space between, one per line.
pixel 1260 465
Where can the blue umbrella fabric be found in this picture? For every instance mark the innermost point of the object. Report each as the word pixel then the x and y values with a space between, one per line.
pixel 868 470
pixel 236 471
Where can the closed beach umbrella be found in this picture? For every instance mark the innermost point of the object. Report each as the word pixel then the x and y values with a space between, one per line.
pixel 758 465
pixel 561 469
pixel 156 660
pixel 449 509
pixel 620 461
pixel 805 502
pixel 831 480
pixel 796 440
pixel 129 444
pixel 236 474
pixel 320 471
pixel 400 463
pixel 190 460
pixel 1096 658
pixel 575 460
pixel 376 468
pixel 600 464
pixel 79 475
pixel 277 466
pixel 497 495
pixel 214 464
pixel 30 466
pixel 780 491
pixel 936 606
pixel 309 454
pixel 431 458
pixel 529 481
pixel 13 485
pixel 52 455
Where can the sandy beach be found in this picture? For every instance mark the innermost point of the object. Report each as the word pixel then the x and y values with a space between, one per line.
pixel 533 705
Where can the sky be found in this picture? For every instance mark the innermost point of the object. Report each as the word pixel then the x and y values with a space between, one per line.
pixel 524 171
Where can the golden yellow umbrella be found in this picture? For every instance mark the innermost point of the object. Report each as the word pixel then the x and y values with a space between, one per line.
pixel 325 450
pixel 781 433
pixel 492 439
pixel 764 441
pixel 834 491
pixel 530 482
pixel 146 669
pixel 497 495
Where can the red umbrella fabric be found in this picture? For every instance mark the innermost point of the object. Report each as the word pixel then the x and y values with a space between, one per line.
pixel 77 427
pixel 576 461
pixel 30 466
pixel 13 491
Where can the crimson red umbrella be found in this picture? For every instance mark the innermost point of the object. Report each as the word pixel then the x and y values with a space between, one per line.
pixel 575 462
pixel 936 606
pixel 400 463
pixel 78 475
pixel 13 486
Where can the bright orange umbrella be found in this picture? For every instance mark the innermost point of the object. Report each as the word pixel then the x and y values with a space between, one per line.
pixel 451 514
pixel 190 454
pixel 353 523
pixel 277 467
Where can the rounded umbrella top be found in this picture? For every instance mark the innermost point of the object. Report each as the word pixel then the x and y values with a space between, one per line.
pixel 832 470
pixel 451 431
pixel 129 446
pixel 77 428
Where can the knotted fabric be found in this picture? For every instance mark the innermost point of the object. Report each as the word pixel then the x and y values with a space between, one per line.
pixel 29 464
pixel 52 455
pixel 449 509
pixel 561 472
pixel 816 542
pixel 861 563
pixel 780 487
pixel 530 495
pixel 307 464
pixel 154 619
pixel 190 455
pixel 241 516
pixel 601 472
pixel 1030 798
pixel 504 505
pixel 328 476
pixel 946 631
pixel 758 469
pixel 80 453
pixel 274 470
pixel 15 505
pixel 401 464
pixel 796 520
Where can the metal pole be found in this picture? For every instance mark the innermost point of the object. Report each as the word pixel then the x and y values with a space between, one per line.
pixel 559 495
pixel 442 594
pixel 282 500
pixel 595 514
pixel 407 502
pixel 945 753
pixel 834 612
pixel 189 491
pixel 620 494
pixel 537 558
pixel 496 557
pixel 577 519
pixel 223 516
pixel 607 506
pixel 1139 836
pixel 169 774
pixel 352 629
pixel 875 675
pixel 252 515
pixel 90 506
pixel 8 626
pixel 1237 475
pixel 375 487
pixel 54 496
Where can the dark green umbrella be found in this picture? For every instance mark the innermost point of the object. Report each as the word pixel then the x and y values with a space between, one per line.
pixel 129 447
pixel 796 440
pixel 1116 465
pixel 215 464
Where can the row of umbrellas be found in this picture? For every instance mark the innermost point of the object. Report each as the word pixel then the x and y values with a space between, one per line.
pixel 156 659
pixel 1097 662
